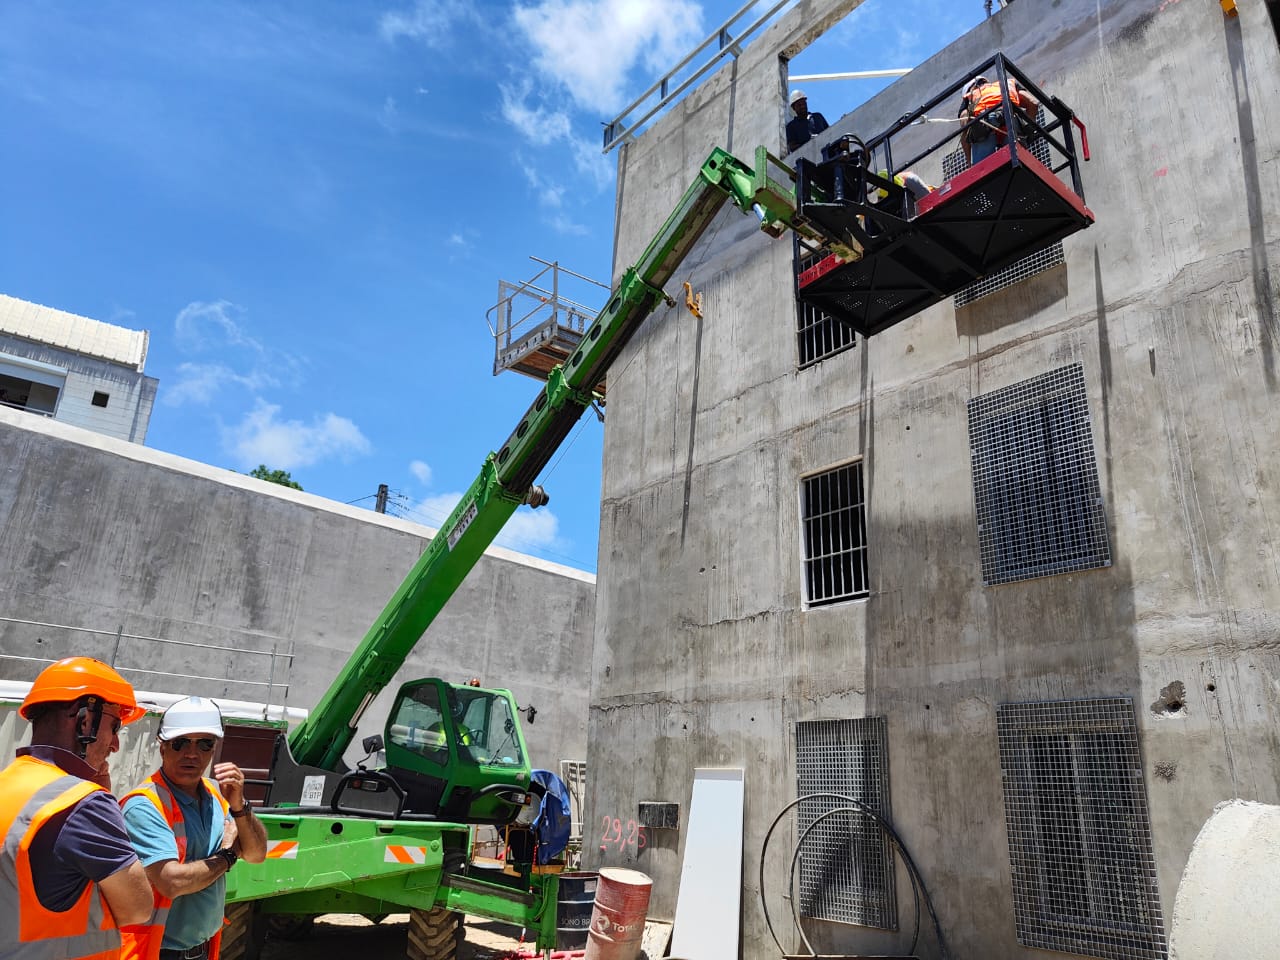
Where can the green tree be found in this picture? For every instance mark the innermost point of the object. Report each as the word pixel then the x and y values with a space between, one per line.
pixel 275 476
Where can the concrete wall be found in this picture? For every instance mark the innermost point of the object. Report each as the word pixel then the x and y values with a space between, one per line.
pixel 705 654
pixel 131 394
pixel 219 571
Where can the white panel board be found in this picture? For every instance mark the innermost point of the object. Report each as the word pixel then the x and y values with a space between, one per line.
pixel 708 907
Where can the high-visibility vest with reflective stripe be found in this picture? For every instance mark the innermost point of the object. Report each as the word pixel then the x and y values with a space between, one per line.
pixel 31 792
pixel 143 942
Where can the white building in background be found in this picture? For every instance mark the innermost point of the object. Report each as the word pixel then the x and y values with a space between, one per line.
pixel 80 371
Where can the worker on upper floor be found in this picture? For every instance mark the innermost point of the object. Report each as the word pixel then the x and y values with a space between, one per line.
pixel 69 877
pixel 189 831
pixel 983 106
pixel 804 125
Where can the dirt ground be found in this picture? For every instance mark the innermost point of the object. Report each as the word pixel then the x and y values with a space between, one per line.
pixel 341 936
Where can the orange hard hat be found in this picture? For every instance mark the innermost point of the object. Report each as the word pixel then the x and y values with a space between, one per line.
pixel 74 677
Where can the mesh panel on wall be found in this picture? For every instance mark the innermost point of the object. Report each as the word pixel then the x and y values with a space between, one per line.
pixel 1035 479
pixel 846 864
pixel 1080 849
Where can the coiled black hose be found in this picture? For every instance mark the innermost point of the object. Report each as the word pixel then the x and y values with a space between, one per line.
pixel 852 804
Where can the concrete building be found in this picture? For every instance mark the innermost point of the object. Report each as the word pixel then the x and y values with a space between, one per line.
pixel 1044 670
pixel 80 371
pixel 196 580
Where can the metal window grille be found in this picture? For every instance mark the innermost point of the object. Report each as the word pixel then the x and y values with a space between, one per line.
pixel 574 775
pixel 835 535
pixel 1035 479
pixel 846 864
pixel 1080 851
pixel 818 335
pixel 1038 262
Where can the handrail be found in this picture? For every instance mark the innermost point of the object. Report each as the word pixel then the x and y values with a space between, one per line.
pixel 271 683
pixel 613 134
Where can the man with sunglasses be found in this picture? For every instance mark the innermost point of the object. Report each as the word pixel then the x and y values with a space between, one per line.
pixel 64 852
pixel 189 830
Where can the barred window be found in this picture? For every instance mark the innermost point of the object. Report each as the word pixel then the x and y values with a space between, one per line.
pixel 846 863
pixel 1035 479
pixel 818 335
pixel 1080 850
pixel 835 535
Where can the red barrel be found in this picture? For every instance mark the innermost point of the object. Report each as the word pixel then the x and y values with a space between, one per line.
pixel 617 917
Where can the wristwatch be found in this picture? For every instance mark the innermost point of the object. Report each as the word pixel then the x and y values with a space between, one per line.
pixel 227 854
pixel 242 812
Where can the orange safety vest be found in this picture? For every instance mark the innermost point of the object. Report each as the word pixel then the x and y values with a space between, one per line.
pixel 31 792
pixel 987 96
pixel 143 942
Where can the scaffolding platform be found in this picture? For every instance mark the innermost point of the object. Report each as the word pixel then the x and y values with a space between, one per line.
pixel 536 328
pixel 919 248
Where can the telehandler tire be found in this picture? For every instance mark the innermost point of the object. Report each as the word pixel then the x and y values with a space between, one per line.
pixel 244 933
pixel 435 934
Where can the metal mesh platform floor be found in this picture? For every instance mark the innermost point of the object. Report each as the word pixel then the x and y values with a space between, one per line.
pixel 993 214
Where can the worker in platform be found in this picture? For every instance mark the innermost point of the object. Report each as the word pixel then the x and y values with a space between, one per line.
pixel 983 106
pixel 69 878
pixel 189 831
pixel 804 126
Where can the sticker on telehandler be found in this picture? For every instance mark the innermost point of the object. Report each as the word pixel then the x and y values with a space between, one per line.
pixel 312 791
pixel 282 849
pixel 396 853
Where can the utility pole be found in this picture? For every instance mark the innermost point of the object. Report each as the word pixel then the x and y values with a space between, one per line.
pixel 381 505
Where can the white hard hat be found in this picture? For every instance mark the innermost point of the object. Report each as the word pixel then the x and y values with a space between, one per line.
pixel 191 715
pixel 797 95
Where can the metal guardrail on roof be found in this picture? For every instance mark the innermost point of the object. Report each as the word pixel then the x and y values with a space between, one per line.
pixel 726 44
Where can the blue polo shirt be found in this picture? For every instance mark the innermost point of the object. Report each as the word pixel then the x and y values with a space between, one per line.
pixel 195 917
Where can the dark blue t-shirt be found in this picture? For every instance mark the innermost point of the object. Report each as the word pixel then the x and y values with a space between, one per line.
pixel 88 841
pixel 800 130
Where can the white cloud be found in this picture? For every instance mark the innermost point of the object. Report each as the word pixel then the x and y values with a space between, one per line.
pixel 430 21
pixel 202 383
pixel 236 360
pixel 389 116
pixel 542 126
pixel 200 326
pixel 538 125
pixel 589 46
pixel 549 194
pixel 262 437
pixel 563 225
pixel 422 471
pixel 528 530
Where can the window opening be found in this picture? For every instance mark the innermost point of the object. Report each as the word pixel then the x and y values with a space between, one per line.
pixel 818 334
pixel 21 394
pixel 847 864
pixel 100 399
pixel 1035 479
pixel 835 535
pixel 1080 849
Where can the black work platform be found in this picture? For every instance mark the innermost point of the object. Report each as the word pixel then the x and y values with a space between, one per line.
pixel 996 212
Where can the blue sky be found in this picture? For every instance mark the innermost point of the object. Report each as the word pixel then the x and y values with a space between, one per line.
pixel 310 205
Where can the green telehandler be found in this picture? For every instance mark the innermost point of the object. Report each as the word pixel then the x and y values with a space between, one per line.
pixel 396 839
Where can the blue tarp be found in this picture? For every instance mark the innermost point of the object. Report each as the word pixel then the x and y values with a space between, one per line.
pixel 554 821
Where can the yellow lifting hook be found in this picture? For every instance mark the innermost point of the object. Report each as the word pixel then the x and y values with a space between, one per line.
pixel 692 301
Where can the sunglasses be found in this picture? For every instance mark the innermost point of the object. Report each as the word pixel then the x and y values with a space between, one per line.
pixel 178 744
